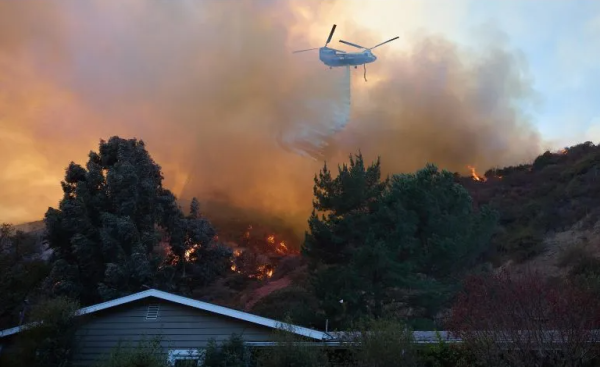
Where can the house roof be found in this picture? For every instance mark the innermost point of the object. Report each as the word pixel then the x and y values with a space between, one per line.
pixel 204 306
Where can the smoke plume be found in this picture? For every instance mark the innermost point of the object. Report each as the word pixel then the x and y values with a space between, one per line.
pixel 212 87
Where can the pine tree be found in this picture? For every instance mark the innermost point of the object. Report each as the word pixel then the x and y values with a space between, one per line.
pixel 109 222
pixel 379 242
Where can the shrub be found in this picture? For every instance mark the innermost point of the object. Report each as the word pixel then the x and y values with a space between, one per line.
pixel 231 353
pixel 148 353
pixel 503 319
pixel 47 340
pixel 289 352
pixel 447 355
pixel 382 343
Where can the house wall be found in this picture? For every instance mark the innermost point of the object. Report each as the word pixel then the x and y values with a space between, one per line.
pixel 180 327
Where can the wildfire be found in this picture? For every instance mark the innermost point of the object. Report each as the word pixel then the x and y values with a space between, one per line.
pixel 563 151
pixel 263 271
pixel 247 234
pixel 280 247
pixel 190 251
pixel 475 176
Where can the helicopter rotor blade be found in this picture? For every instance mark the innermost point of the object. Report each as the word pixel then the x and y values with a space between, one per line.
pixel 383 43
pixel 352 44
pixel 330 34
pixel 308 49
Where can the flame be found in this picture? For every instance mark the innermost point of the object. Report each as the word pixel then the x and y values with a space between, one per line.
pixel 264 272
pixel 282 249
pixel 563 151
pixel 475 176
pixel 190 251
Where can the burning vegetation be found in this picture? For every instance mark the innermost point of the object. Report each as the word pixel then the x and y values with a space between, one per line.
pixel 475 176
pixel 257 253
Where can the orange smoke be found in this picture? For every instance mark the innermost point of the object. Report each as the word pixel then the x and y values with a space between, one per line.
pixel 209 85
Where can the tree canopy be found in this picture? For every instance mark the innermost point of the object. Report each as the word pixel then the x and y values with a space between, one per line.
pixel 113 215
pixel 375 243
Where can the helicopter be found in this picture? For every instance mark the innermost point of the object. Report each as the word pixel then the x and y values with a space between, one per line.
pixel 337 58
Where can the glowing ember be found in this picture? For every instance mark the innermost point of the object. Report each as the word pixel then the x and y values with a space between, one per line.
pixel 475 176
pixel 247 234
pixel 263 271
pixel 280 247
pixel 190 251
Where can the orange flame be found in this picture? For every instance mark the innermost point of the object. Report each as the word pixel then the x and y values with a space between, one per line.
pixel 475 176
pixel 190 251
pixel 264 272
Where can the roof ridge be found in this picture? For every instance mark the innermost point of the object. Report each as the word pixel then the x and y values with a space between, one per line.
pixel 197 304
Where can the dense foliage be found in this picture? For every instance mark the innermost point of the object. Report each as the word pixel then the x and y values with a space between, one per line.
pixel 22 269
pixel 554 193
pixel 556 319
pixel 392 248
pixel 47 341
pixel 147 353
pixel 110 221
pixel 377 238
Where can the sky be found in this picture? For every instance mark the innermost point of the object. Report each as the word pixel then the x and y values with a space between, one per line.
pixel 209 85
pixel 559 40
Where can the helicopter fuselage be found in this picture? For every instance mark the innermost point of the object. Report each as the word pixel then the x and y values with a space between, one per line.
pixel 333 58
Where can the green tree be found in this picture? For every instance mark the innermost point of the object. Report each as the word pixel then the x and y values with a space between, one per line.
pixel 22 271
pixel 113 214
pixel 381 242
pixel 344 203
pixel 208 260
pixel 439 235
pixel 47 340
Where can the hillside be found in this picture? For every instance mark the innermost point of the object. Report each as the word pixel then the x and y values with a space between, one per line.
pixel 545 207
pixel 548 218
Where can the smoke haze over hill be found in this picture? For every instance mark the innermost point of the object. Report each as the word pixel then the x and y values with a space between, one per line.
pixel 209 85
